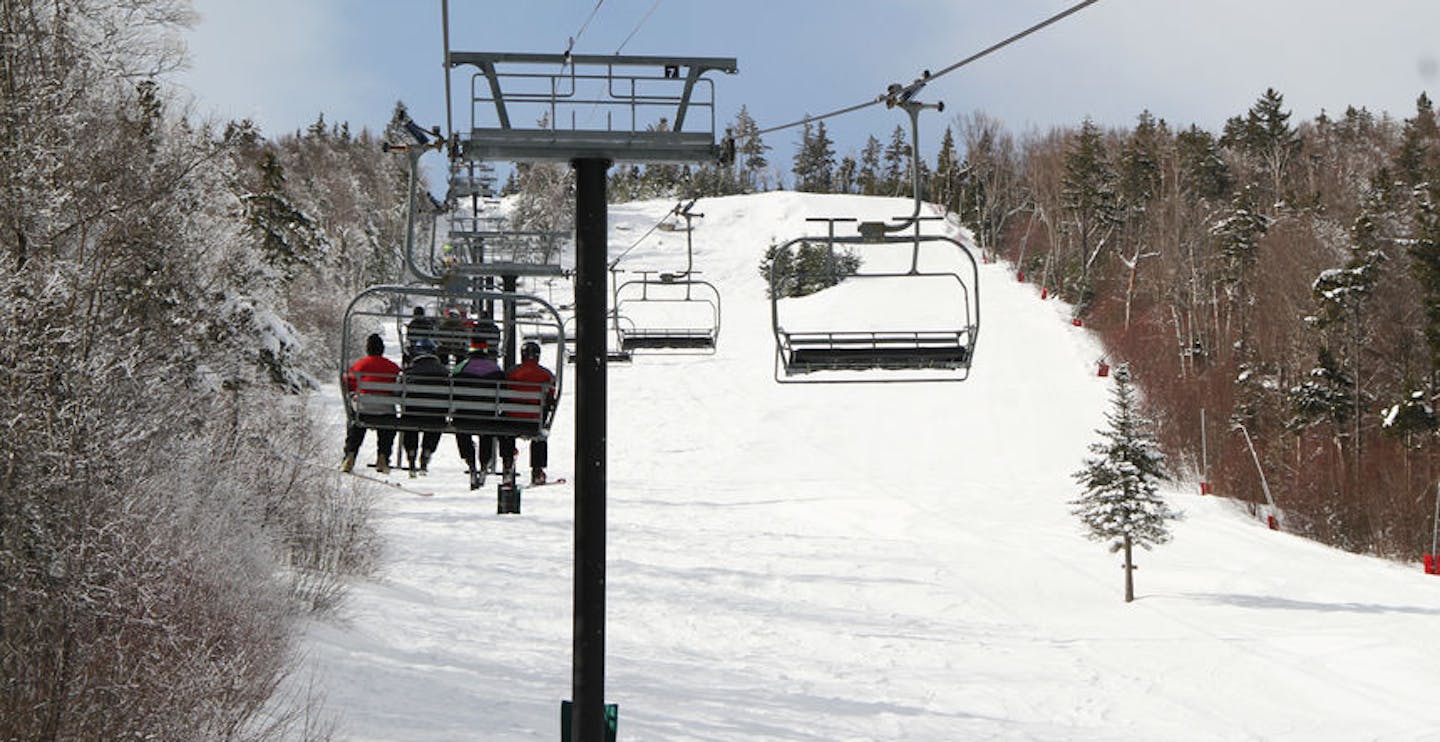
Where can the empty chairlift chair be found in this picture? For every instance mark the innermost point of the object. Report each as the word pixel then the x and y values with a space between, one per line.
pixel 878 324
pixel 668 310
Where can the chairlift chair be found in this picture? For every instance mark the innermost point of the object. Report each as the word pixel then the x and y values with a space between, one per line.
pixel 613 350
pixel 672 311
pixel 667 311
pixel 450 404
pixel 832 348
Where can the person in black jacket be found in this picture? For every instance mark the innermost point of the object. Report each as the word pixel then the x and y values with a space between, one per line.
pixel 427 413
pixel 420 327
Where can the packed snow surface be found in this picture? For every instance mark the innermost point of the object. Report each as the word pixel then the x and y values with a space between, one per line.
pixel 863 562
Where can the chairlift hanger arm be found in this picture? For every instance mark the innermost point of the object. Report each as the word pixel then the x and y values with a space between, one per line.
pixel 903 98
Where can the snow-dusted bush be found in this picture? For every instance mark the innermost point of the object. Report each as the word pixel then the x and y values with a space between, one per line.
pixel 150 529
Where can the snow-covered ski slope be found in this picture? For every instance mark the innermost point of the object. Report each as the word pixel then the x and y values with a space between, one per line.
pixel 873 562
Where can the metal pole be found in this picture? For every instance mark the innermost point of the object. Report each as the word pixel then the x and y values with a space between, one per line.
pixel 1263 484
pixel 509 285
pixel 1435 532
pixel 591 271
pixel 1204 450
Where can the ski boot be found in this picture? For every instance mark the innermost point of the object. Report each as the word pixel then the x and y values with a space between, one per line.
pixel 382 464
pixel 537 477
pixel 348 465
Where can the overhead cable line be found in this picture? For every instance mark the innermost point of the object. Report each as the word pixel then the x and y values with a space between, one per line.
pixel 1042 24
pixel 569 47
pixel 889 96
pixel 644 18
pixel 653 227
pixel 808 119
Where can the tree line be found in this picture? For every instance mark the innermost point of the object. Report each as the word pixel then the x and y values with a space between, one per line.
pixel 170 291
pixel 1277 280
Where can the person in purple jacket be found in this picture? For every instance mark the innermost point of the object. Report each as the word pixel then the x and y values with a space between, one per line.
pixel 479 364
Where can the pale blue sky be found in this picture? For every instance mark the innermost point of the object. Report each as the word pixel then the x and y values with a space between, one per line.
pixel 282 62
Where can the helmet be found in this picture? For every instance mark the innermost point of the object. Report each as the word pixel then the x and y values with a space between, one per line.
pixel 424 347
pixel 374 345
pixel 478 347
pixel 530 351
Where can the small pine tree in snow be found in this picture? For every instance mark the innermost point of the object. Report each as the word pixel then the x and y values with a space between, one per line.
pixel 1121 503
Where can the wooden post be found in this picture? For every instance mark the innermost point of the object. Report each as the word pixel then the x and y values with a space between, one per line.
pixel 1129 572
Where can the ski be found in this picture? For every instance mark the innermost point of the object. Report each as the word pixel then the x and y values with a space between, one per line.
pixel 549 482
pixel 388 483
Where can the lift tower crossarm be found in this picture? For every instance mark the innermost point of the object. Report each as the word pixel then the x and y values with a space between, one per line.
pixel 593 107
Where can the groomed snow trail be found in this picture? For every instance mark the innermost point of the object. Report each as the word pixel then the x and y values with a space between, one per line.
pixel 891 562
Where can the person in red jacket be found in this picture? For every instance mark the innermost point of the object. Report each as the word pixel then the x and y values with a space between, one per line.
pixel 529 370
pixel 374 367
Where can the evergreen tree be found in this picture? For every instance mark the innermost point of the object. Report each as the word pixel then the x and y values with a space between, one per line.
pixel 1089 192
pixel 1121 503
pixel 1202 169
pixel 897 165
pixel 1139 171
pixel 869 176
pixel 1239 236
pixel 777 267
pixel 288 237
pixel 815 161
pixel 946 188
pixel 1418 159
pixel 810 268
pixel 804 162
pixel 1414 416
pixel 1327 396
pixel 1265 139
pixel 1424 251
pixel 845 175
pixel 1342 296
pixel 750 152
pixel 1240 232
pixel 824 157
pixel 318 130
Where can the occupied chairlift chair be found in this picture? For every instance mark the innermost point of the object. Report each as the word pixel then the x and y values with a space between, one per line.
pixel 836 352
pixel 489 407
pixel 672 311
pixel 446 405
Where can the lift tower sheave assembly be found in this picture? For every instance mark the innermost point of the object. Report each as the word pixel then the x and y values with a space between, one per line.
pixel 591 111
